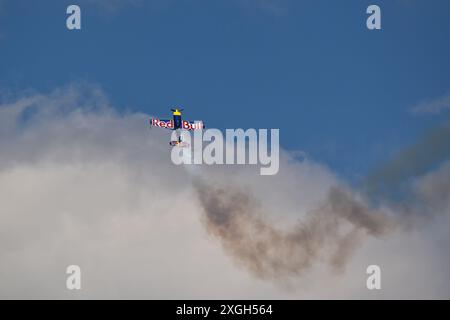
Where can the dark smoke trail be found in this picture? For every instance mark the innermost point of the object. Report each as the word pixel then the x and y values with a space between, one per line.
pixel 337 227
pixel 388 180
pixel 329 233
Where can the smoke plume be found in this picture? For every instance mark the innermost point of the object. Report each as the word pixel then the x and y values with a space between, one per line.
pixel 331 232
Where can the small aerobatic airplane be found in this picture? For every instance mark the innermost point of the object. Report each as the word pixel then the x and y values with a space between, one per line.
pixel 177 124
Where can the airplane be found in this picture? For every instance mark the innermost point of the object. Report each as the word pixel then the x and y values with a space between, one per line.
pixel 177 124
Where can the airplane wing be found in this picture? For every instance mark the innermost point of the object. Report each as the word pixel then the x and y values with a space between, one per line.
pixel 193 125
pixel 161 123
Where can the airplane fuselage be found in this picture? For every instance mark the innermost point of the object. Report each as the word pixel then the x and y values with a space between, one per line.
pixel 177 123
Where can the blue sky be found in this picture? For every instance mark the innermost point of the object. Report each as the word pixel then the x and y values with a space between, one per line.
pixel 336 90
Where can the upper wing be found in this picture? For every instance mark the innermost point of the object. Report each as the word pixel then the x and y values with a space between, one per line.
pixel 193 125
pixel 161 123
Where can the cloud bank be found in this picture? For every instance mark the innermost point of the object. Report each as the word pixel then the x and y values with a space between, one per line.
pixel 83 184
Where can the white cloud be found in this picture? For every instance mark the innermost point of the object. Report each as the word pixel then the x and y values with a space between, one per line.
pixel 436 105
pixel 83 184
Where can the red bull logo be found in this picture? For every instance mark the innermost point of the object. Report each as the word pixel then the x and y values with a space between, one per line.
pixel 162 123
pixel 186 125
pixel 197 125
